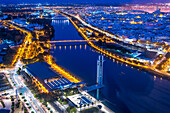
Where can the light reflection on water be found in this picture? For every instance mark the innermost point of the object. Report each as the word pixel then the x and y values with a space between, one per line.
pixel 127 89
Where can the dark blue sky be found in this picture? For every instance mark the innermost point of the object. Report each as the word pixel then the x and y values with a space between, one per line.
pixel 81 1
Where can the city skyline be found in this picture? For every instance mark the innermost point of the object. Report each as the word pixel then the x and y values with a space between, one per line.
pixel 84 1
pixel 100 57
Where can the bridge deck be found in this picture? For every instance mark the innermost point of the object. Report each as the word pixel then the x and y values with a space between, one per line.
pixel 69 44
pixel 59 41
pixel 93 87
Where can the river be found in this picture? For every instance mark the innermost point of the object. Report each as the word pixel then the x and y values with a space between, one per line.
pixel 126 90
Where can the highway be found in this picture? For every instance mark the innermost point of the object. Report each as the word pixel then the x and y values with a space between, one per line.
pixel 27 50
pixel 24 52
pixel 20 86
pixel 111 35
pixel 130 61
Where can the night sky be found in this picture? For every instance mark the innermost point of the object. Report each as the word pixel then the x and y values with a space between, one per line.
pixel 81 1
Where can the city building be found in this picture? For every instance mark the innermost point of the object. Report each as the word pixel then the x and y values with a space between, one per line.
pixel 47 79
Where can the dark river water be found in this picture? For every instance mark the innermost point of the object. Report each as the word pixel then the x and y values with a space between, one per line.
pixel 126 90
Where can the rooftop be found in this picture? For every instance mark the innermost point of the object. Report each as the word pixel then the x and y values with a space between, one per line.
pixel 79 99
pixel 41 70
pixel 49 79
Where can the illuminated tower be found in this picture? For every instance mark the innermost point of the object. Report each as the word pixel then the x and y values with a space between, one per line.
pixel 100 70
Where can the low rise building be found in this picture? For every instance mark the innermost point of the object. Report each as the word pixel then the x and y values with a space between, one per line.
pixel 47 79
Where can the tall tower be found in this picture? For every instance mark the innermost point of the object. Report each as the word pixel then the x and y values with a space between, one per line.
pixel 100 70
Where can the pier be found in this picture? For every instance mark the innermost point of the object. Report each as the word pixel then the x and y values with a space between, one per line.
pixel 93 87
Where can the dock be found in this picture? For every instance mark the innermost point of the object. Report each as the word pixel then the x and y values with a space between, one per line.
pixel 93 87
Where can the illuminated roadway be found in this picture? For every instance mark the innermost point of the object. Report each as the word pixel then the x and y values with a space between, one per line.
pixel 60 70
pixel 18 56
pixel 69 41
pixel 104 32
pixel 103 51
pixel 26 50
pixel 28 40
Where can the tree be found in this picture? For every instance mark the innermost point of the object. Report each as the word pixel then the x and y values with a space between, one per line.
pixel 88 105
pixel 25 110
pixel 99 106
pixel 12 99
pixel 92 103
pixel 18 104
pixel 18 72
pixel 12 103
pixel 68 109
pixel 73 110
pixel 23 97
pixel 3 104
pixel 24 66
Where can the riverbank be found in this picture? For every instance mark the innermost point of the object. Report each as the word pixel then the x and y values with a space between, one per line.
pixel 124 85
pixel 128 61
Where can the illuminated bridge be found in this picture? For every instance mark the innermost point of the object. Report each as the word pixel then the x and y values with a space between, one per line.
pixel 68 42
pixel 71 41
pixel 60 18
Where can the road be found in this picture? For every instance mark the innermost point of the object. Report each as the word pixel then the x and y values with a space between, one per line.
pixel 130 61
pixel 22 88
pixel 25 52
pixel 17 79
